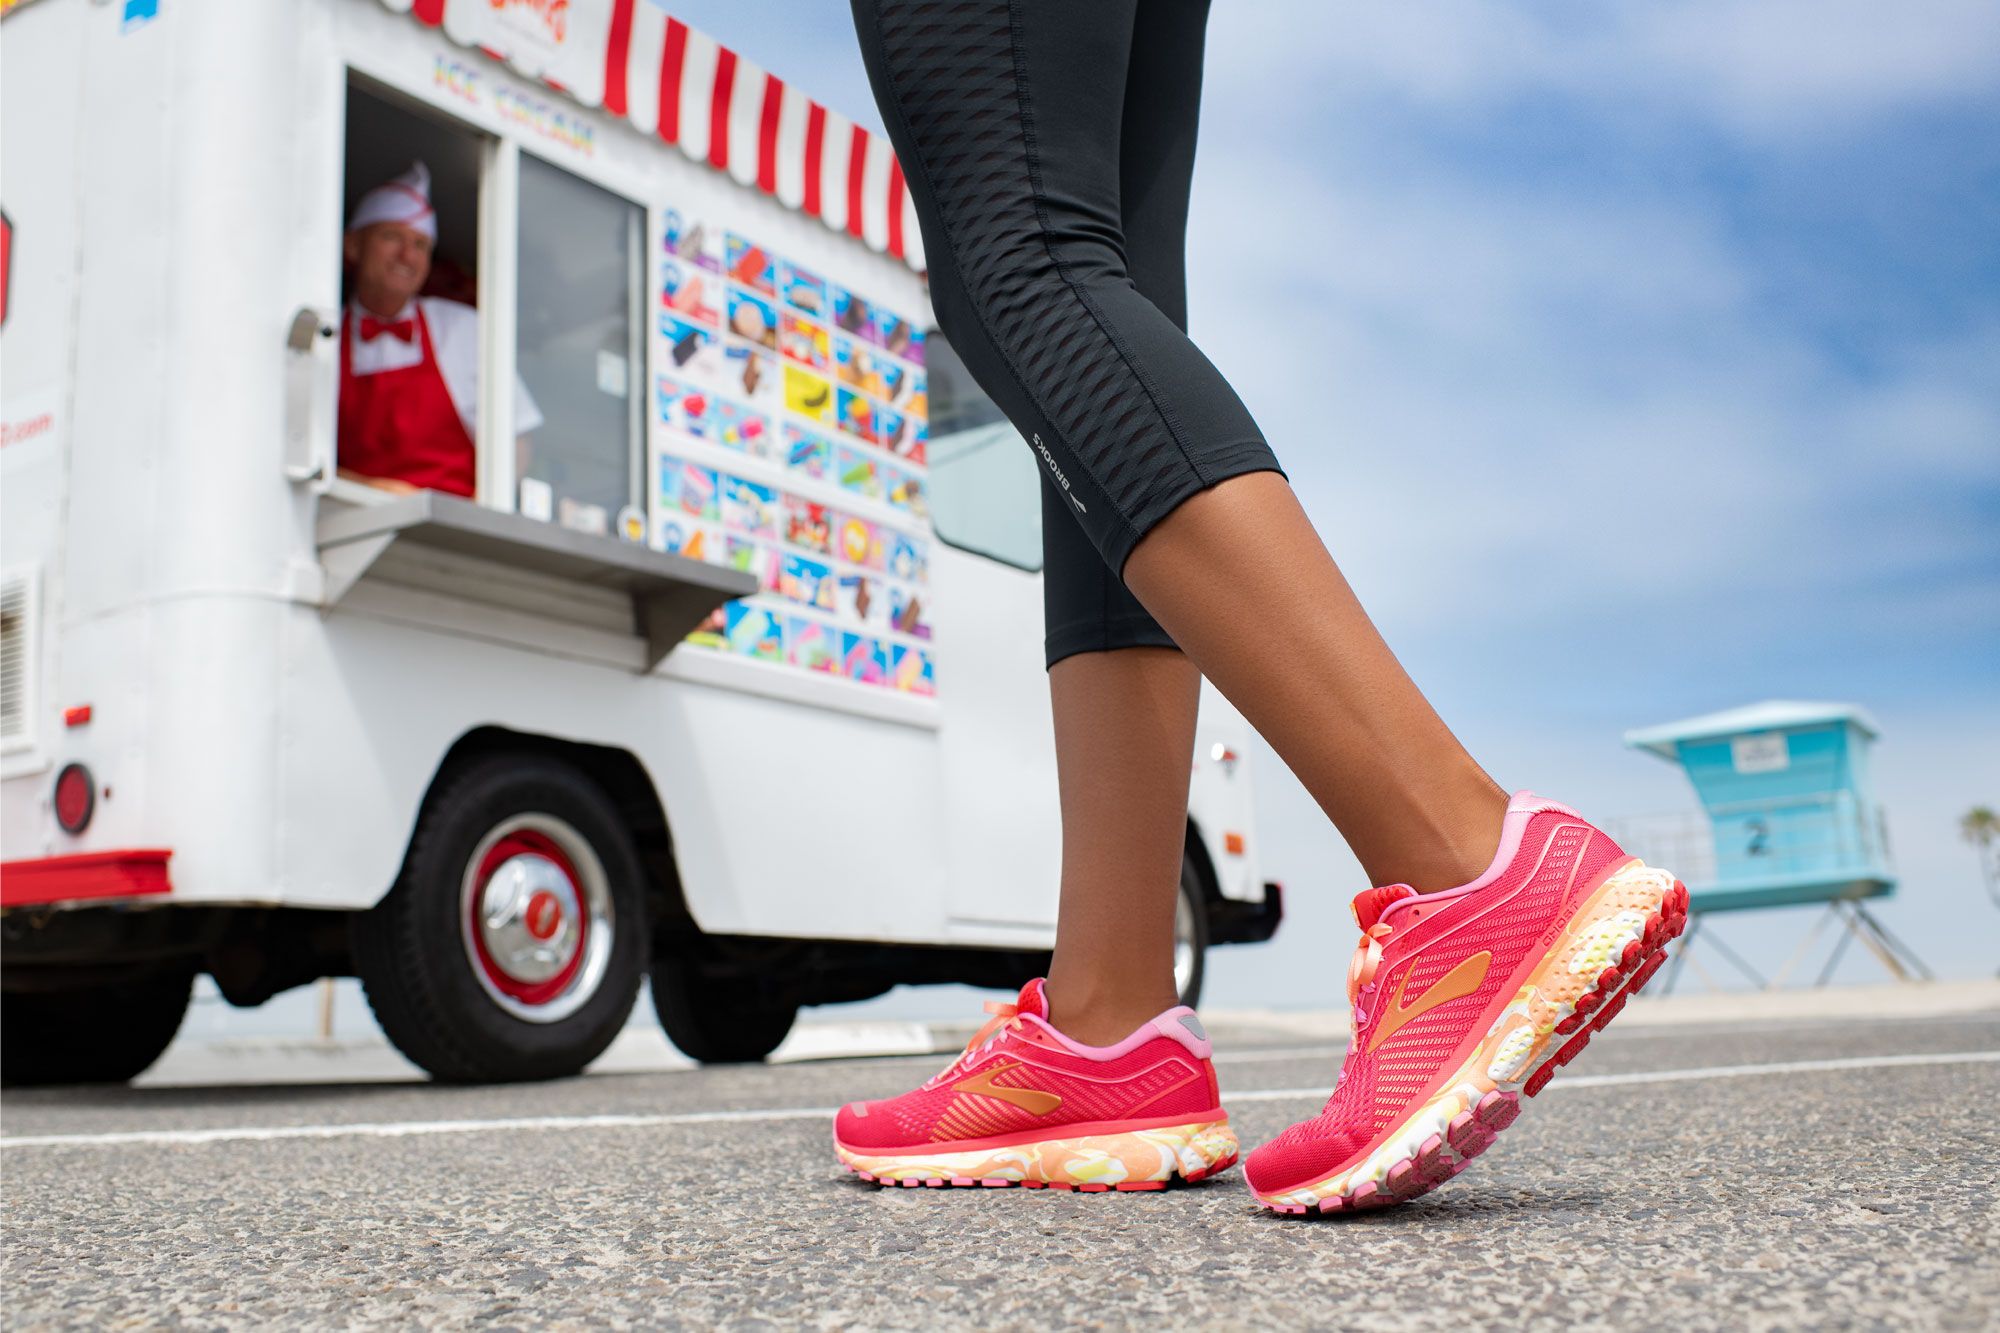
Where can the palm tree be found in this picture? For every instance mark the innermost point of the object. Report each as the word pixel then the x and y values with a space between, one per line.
pixel 1981 827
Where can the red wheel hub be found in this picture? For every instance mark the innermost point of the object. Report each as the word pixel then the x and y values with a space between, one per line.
pixel 544 915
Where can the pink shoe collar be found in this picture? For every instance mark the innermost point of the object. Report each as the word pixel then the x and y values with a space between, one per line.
pixel 1522 807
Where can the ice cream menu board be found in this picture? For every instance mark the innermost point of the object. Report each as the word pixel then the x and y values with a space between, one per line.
pixel 789 434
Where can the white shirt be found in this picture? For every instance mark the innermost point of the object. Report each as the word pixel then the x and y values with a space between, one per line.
pixel 455 336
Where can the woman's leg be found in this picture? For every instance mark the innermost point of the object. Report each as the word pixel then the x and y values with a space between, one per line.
pixel 1036 1097
pixel 1124 739
pixel 1124 696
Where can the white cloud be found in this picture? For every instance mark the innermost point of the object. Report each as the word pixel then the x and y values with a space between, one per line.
pixel 1779 66
pixel 1796 62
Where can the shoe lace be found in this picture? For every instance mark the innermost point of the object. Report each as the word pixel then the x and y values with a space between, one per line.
pixel 1005 1017
pixel 1361 970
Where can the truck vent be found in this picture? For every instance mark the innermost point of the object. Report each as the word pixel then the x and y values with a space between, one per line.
pixel 17 659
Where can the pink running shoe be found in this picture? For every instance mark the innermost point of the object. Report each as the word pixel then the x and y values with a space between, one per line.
pixel 1025 1105
pixel 1461 1001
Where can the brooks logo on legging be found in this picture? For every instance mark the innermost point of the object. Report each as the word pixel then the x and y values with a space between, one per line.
pixel 1050 459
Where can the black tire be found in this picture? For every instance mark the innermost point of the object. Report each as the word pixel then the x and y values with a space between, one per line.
pixel 718 1021
pixel 105 1033
pixel 414 951
pixel 1191 929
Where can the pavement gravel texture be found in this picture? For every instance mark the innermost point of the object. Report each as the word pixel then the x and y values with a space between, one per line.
pixel 1847 1198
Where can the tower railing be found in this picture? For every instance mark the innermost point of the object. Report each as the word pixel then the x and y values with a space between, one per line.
pixel 1826 848
pixel 1831 837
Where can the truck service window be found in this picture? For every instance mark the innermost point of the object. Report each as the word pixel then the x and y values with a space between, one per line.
pixel 579 347
pixel 409 329
pixel 984 481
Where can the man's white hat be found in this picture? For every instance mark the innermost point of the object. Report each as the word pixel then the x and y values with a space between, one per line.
pixel 405 199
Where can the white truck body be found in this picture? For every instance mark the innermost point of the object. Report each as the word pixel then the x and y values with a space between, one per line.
pixel 269 703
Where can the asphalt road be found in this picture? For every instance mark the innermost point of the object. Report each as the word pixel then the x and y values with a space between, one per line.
pixel 1823 1174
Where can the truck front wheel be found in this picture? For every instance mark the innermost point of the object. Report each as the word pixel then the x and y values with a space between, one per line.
pixel 513 944
pixel 106 1032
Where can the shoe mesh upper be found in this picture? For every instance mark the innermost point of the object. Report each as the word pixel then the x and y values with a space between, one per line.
pixel 1158 1079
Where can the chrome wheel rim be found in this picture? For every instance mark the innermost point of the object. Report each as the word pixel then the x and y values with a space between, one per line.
pixel 535 917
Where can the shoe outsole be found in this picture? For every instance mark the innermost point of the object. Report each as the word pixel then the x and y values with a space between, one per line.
pixel 995 1182
pixel 1443 1156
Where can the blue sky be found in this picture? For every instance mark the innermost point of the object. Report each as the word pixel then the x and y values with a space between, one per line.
pixel 1635 361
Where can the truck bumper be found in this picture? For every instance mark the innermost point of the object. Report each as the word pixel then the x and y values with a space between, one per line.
pixel 88 875
pixel 1231 922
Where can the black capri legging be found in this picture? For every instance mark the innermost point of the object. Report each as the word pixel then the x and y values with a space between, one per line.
pixel 1048 146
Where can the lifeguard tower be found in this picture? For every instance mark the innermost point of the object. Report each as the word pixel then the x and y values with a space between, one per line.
pixel 1791 820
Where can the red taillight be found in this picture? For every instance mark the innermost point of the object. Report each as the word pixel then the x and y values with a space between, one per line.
pixel 76 798
pixel 77 716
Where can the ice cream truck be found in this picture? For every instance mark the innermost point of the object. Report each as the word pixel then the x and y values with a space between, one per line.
pixel 727 671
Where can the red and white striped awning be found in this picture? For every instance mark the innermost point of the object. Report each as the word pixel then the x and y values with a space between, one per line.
pixel 630 58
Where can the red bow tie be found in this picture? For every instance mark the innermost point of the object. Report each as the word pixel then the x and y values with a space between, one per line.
pixel 373 328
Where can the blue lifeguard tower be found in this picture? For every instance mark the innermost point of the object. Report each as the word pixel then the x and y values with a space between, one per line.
pixel 1791 820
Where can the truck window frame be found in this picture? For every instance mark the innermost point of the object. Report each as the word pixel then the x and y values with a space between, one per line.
pixel 638 442
pixel 933 338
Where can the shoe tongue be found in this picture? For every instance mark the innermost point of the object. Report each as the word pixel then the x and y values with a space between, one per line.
pixel 1034 999
pixel 1370 904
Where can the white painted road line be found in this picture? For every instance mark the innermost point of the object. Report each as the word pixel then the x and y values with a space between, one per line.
pixel 407 1128
pixel 1335 1049
pixel 414 1128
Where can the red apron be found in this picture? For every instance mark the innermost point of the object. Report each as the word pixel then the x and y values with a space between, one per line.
pixel 402 423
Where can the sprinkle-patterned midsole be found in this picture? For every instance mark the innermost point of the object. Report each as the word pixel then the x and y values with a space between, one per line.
pixel 1096 1160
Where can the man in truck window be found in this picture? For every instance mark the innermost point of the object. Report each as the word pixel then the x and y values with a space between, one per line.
pixel 409 364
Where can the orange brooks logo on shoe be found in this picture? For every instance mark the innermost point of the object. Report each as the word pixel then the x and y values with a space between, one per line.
pixel 1028 1099
pixel 1456 984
